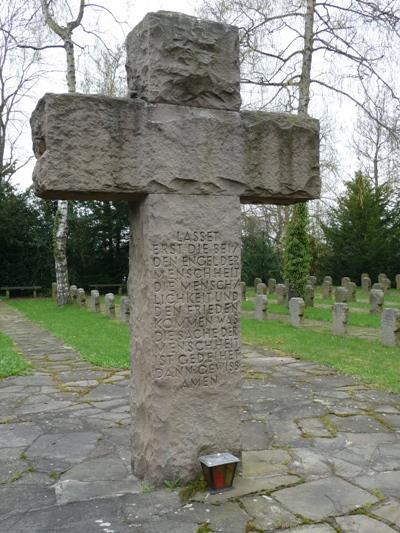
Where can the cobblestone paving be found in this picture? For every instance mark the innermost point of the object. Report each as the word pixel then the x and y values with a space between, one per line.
pixel 321 452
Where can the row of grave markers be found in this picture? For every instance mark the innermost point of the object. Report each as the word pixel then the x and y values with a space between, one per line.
pixel 78 296
pixel 390 321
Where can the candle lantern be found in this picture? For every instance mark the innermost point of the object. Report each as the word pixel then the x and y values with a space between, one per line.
pixel 219 470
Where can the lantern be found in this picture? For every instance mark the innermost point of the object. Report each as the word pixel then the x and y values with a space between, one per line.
pixel 219 470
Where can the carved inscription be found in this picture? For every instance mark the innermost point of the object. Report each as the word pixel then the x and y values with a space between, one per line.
pixel 196 291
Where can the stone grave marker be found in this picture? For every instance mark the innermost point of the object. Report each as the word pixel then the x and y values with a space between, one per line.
pixel 327 289
pixel 81 297
pixel 261 288
pixel 390 327
pixel 125 309
pixel 344 282
pixel 260 311
pixel 328 278
pixel 281 294
pixel 398 281
pixel 296 311
pixel 351 291
pixel 340 316
pixel 313 281
pixel 271 285
pixel 386 285
pixel 378 286
pixel 341 295
pixel 376 300
pixel 184 156
pixel 366 283
pixel 54 290
pixel 73 293
pixel 309 295
pixel 95 301
pixel 109 304
pixel 256 282
pixel 381 277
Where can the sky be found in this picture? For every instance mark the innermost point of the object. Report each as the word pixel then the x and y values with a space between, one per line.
pixel 131 12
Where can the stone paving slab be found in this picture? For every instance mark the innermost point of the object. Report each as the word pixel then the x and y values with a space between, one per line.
pixel 318 447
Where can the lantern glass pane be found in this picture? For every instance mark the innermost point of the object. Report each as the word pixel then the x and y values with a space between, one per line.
pixel 229 474
pixel 219 476
pixel 207 475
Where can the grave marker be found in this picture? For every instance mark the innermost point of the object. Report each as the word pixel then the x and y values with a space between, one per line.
pixel 184 157
pixel 390 327
pixel 296 311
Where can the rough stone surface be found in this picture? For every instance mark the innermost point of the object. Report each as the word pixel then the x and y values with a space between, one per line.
pixel 318 499
pixel 281 294
pixel 261 288
pixel 284 407
pixel 95 301
pixel 376 300
pixel 81 298
pixel 344 281
pixel 309 295
pixel 178 59
pixel 391 327
pixel 125 309
pixel 341 295
pixel 327 289
pixel 268 157
pixel 271 285
pixel 180 246
pixel 182 165
pixel 296 311
pixel 366 283
pixel 340 316
pixel 109 304
pixel 362 524
pixel 398 281
pixel 261 306
pixel 351 291
pixel 256 282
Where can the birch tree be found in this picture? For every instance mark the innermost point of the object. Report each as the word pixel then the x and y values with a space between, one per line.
pixel 65 33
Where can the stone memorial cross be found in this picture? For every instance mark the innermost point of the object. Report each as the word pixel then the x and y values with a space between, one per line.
pixel 183 154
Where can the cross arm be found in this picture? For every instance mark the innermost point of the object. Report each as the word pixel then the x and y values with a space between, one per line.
pixel 96 147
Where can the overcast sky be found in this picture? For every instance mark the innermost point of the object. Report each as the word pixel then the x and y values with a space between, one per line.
pixel 131 12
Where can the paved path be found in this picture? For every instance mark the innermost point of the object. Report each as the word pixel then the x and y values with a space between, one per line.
pixel 321 452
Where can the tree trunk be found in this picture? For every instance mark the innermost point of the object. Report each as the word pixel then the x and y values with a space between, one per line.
pixel 60 252
pixel 305 78
pixel 61 219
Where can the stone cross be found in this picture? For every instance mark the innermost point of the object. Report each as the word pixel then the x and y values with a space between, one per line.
pixel 341 295
pixel 260 310
pixel 398 281
pixel 183 154
pixel 327 289
pixel 109 304
pixel 271 285
pixel 390 332
pixel 340 316
pixel 281 294
pixel 95 301
pixel 309 295
pixel 296 311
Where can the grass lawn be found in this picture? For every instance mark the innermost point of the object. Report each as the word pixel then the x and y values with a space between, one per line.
pixel 11 362
pixel 368 360
pixel 105 342
pixel 98 339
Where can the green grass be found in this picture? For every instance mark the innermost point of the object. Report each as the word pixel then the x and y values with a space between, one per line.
pixel 98 339
pixel 368 360
pixel 11 362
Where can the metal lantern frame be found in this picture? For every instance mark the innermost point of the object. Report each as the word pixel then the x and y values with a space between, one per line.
pixel 219 470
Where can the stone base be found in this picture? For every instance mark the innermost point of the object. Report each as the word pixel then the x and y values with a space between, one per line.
pixel 185 282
